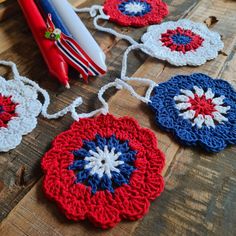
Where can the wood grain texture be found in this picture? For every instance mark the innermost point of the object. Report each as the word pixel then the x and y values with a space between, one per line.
pixel 200 188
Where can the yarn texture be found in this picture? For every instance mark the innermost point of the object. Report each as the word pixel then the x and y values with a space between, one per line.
pixel 197 109
pixel 135 12
pixel 19 108
pixel 104 169
pixel 183 42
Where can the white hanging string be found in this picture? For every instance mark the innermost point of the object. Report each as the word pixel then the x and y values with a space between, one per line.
pixel 118 84
pixel 146 81
pixel 93 11
pixel 97 9
pixel 71 108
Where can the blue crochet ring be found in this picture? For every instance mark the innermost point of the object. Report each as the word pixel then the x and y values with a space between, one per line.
pixel 197 109
pixel 104 163
pixel 134 7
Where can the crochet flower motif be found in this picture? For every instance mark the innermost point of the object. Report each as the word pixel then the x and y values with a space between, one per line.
pixel 183 42
pixel 7 110
pixel 135 12
pixel 104 163
pixel 104 169
pixel 197 109
pixel 18 110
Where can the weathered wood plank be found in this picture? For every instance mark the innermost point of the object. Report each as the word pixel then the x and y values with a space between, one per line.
pixel 7 9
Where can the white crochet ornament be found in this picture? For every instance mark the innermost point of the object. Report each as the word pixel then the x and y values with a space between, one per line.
pixel 19 108
pixel 182 42
pixel 27 107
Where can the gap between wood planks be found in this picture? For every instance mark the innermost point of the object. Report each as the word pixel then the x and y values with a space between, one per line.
pixel 32 207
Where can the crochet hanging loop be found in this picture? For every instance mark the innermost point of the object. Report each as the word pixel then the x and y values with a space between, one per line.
pixel 93 11
pixel 118 84
pixel 44 109
pixel 151 84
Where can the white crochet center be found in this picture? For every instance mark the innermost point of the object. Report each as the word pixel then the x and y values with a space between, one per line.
pixel 103 162
pixel 134 7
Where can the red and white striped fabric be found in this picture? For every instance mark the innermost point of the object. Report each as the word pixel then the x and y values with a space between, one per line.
pixel 74 55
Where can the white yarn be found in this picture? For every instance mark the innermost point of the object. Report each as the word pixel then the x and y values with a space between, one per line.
pixel 93 11
pixel 209 49
pixel 24 93
pixel 146 81
pixel 118 84
pixel 103 162
pixel 71 108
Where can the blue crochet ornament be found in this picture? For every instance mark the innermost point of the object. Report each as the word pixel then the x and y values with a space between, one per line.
pixel 197 109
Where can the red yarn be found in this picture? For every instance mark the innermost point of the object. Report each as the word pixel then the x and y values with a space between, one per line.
pixel 7 110
pixel 158 10
pixel 167 39
pixel 104 208
pixel 201 105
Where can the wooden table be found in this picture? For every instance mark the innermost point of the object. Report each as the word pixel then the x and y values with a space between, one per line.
pixel 200 191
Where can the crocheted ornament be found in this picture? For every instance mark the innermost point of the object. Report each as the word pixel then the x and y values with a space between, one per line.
pixel 197 109
pixel 135 12
pixel 104 169
pixel 183 42
pixel 19 108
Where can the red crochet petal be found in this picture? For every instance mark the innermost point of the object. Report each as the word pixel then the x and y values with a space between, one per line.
pixel 68 141
pixel 102 211
pixel 77 188
pixel 132 206
pixel 56 158
pixel 74 208
pixel 104 216
pixel 7 110
pixel 153 13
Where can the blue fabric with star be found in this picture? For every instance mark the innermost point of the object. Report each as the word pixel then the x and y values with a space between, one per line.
pixel 167 116
pixel 84 175
pixel 146 7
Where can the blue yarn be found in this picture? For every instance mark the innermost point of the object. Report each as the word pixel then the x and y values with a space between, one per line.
pixel 81 153
pixel 146 8
pixel 84 176
pixel 101 142
pixel 78 165
pixel 167 115
pixel 181 39
pixel 93 182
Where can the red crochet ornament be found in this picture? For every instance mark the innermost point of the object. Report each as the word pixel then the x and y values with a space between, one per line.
pixel 104 169
pixel 7 110
pixel 135 12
